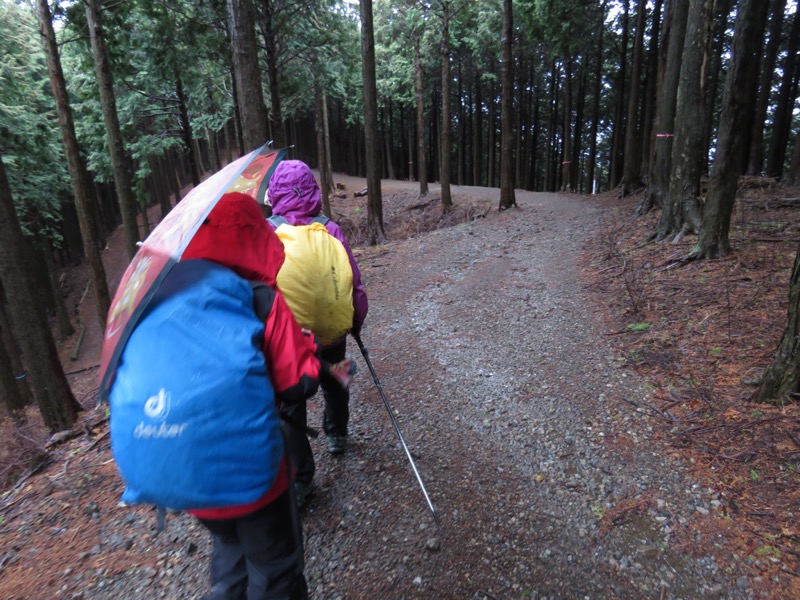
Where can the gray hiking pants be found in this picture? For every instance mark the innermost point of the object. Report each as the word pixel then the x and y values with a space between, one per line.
pixel 258 556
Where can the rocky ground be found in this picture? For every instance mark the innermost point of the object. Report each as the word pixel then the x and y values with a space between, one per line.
pixel 529 429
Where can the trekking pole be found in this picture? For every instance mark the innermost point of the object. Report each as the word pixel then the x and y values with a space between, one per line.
pixel 365 354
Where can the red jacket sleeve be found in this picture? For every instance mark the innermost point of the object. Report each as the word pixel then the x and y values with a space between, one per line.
pixel 291 355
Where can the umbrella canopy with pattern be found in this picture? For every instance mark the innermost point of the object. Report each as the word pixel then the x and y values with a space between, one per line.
pixel 164 247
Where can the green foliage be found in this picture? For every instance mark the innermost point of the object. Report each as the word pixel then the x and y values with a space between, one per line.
pixel 30 140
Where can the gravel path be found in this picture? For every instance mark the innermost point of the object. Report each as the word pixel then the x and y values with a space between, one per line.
pixel 523 427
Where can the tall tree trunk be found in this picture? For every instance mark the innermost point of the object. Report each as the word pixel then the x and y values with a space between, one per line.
pixel 374 202
pixel 166 177
pixel 717 45
pixel 650 88
pixel 532 133
pixel 460 130
pixel 781 124
pixel 422 161
pixel 756 159
pixel 247 74
pixel 213 149
pixel 794 167
pixel 674 36
pixel 577 147
pixel 552 134
pixel 119 160
pixel 276 118
pixel 491 160
pixel 85 204
pixel 507 195
pixel 21 396
pixel 57 405
pixel 781 380
pixel 598 89
pixel 632 160
pixel 618 135
pixel 566 155
pixel 327 132
pixel 737 109
pixel 9 390
pixel 237 114
pixel 186 132
pixel 445 150
pixel 537 127
pixel 477 135
pixel 682 212
pixel 518 122
pixel 45 250
pixel 322 159
pixel 387 137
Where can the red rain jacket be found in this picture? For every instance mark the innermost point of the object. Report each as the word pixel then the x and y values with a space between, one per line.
pixel 236 235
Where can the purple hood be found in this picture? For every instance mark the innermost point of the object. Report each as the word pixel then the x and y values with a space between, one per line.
pixel 293 191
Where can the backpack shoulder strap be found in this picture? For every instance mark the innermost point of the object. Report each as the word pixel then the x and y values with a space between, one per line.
pixel 263 297
pixel 277 221
pixel 320 219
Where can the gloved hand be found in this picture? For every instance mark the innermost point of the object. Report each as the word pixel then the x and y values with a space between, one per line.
pixel 343 372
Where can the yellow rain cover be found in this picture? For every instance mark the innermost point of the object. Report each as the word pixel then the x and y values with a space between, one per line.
pixel 316 280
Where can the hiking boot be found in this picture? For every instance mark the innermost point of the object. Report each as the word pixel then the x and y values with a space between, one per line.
pixel 302 493
pixel 336 443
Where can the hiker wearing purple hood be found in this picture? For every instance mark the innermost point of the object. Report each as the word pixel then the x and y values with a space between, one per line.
pixel 296 198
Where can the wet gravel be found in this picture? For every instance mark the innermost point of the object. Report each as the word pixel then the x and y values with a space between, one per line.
pixel 532 439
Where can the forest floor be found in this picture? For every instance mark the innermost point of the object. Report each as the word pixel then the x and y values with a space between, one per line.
pixel 578 401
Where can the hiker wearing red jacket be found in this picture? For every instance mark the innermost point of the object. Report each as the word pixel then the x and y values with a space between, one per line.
pixel 295 197
pixel 258 547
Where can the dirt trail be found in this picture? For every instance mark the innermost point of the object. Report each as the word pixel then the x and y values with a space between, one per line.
pixel 520 419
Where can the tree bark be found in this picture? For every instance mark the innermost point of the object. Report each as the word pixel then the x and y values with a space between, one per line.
pixel 632 160
pixel 717 45
pixel 444 149
pixel 756 158
pixel 781 380
pixel 20 396
pixel 507 196
pixel 276 118
pixel 372 149
pixel 322 159
pixel 682 212
pixel 618 135
pixel 422 161
pixel 598 88
pixel 45 250
pixel 123 183
pixel 247 75
pixel 85 206
pixel 327 133
pixel 674 35
pixel 477 135
pixel 13 350
pixel 781 124
pixel 650 89
pixel 57 405
pixel 186 133
pixel 737 108
pixel 491 160
pixel 15 404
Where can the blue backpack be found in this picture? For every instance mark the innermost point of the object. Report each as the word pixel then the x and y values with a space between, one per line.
pixel 194 422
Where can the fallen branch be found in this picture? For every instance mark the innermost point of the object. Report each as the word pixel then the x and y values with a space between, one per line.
pixel 420 205
pixel 76 371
